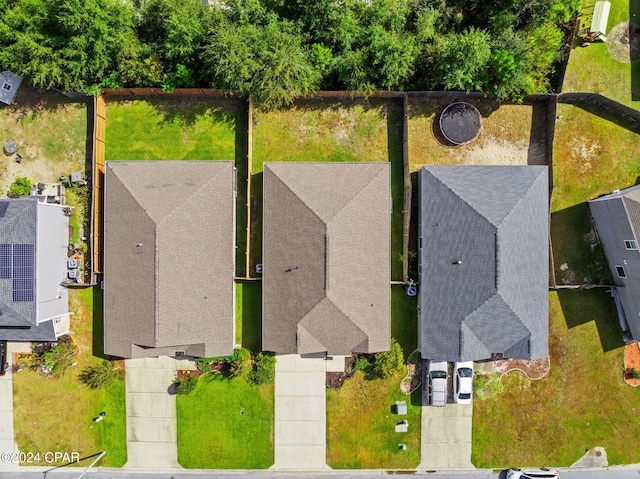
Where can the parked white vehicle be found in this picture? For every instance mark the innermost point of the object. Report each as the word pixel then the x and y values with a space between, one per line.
pixel 437 382
pixel 463 382
pixel 542 473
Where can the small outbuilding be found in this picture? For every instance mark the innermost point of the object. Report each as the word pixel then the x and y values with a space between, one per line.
pixel 9 84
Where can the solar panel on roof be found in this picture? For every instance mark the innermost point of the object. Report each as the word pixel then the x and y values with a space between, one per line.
pixel 22 263
pixel 3 208
pixel 22 296
pixel 5 255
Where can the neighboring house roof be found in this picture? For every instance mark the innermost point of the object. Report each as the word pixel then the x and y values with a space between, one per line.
pixel 9 84
pixel 326 257
pixel 617 219
pixel 33 251
pixel 169 236
pixel 484 233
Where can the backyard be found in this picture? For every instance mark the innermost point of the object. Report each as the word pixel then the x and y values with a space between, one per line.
pixel 330 129
pixel 612 68
pixel 553 421
pixel 591 164
pixel 360 425
pixel 226 424
pixel 510 135
pixel 183 128
pixel 69 405
pixel 51 133
pixel 249 315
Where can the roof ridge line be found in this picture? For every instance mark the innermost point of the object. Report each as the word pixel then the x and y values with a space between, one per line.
pixel 358 192
pixel 132 195
pixel 526 193
pixel 461 198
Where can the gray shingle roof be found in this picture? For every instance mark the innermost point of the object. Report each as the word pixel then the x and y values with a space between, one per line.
pixel 484 262
pixel 169 258
pixel 617 219
pixel 326 257
pixel 25 221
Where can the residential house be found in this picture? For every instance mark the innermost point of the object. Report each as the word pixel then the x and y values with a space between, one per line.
pixel 34 303
pixel 169 248
pixel 617 219
pixel 326 258
pixel 483 262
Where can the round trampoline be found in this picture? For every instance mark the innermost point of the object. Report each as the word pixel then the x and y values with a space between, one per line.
pixel 460 123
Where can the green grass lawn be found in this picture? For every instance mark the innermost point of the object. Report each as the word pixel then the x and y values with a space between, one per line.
pixel 70 406
pixel 318 130
pixel 593 69
pixel 404 319
pixel 249 315
pixel 51 133
pixel 213 433
pixel 583 402
pixel 360 425
pixel 592 163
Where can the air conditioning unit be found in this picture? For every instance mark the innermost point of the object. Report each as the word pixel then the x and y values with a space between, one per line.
pixel 74 273
pixel 72 264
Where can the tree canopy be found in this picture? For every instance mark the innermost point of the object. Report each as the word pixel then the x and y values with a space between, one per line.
pixel 275 50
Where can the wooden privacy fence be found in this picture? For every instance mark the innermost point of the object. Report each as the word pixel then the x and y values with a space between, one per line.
pixel 99 128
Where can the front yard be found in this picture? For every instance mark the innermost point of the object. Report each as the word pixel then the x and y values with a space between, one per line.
pixel 583 402
pixel 226 424
pixel 56 414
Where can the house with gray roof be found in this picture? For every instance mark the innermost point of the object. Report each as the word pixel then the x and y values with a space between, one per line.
pixel 169 249
pixel 326 258
pixel 34 303
pixel 617 219
pixel 483 262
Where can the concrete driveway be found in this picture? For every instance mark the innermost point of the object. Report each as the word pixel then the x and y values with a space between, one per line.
pixel 300 416
pixel 151 412
pixel 446 433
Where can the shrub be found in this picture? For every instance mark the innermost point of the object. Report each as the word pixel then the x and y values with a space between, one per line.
pixel 387 362
pixel 57 358
pixel 101 375
pixel 635 373
pixel 264 369
pixel 487 386
pixel 21 187
pixel 185 386
pixel 362 363
pixel 241 364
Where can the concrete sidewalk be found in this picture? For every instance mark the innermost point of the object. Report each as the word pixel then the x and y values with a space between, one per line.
pixel 151 412
pixel 7 443
pixel 300 416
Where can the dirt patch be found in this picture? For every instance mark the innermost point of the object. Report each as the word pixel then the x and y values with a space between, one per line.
pixel 533 369
pixel 186 374
pixel 495 152
pixel 623 42
pixel 631 361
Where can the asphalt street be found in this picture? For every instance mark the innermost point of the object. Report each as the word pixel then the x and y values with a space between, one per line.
pixel 626 472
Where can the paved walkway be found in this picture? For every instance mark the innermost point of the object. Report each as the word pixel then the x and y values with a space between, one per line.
pixel 7 443
pixel 151 412
pixel 301 412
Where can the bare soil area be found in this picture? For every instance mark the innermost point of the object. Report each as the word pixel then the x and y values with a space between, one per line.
pixel 533 369
pixel 631 361
pixel 623 42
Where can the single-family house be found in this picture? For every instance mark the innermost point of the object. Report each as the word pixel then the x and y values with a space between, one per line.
pixel 326 258
pixel 483 262
pixel 617 219
pixel 169 249
pixel 34 237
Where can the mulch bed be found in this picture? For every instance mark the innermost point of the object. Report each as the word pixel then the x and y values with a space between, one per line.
pixel 534 369
pixel 186 374
pixel 631 360
pixel 335 380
